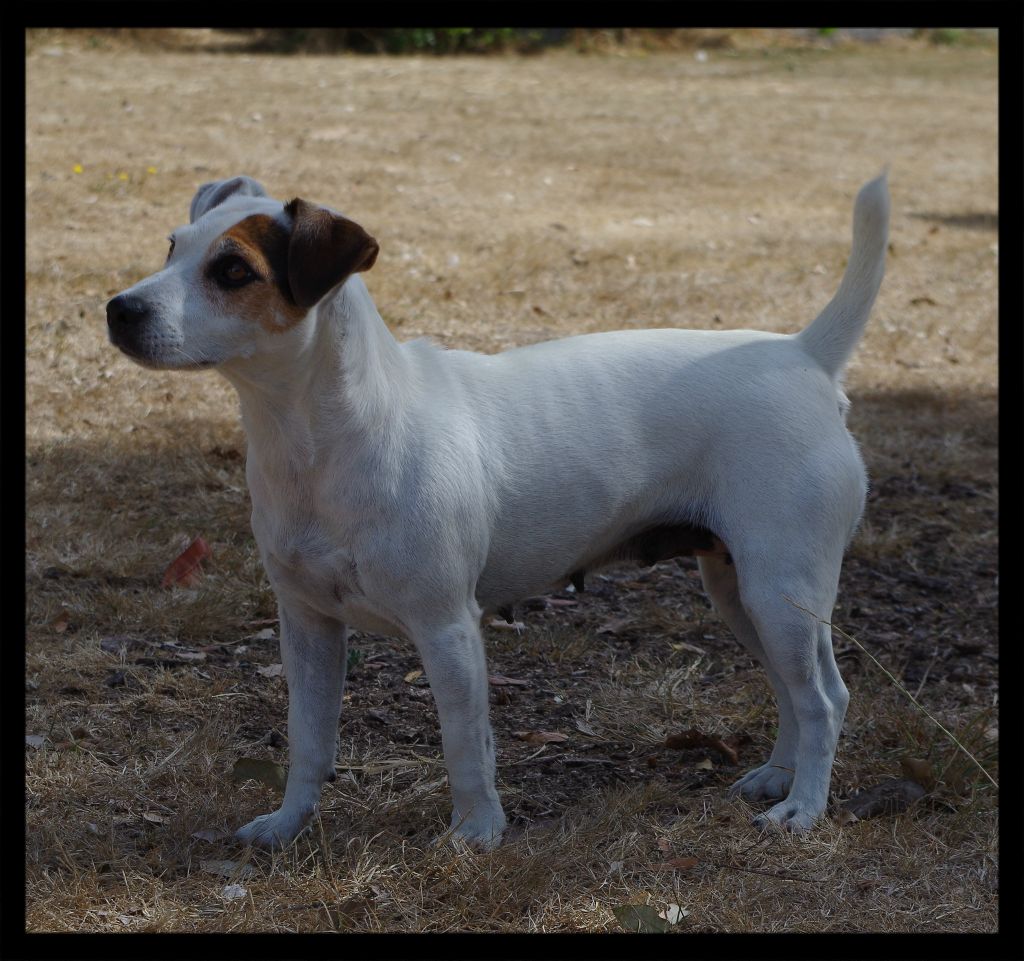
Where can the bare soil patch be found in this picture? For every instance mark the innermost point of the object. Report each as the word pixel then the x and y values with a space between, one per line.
pixel 515 200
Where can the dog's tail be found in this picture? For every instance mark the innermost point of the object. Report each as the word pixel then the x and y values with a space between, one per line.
pixel 832 336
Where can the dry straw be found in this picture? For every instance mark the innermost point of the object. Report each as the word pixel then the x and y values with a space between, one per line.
pixel 910 696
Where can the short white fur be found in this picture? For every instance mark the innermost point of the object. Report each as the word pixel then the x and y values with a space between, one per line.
pixel 407 489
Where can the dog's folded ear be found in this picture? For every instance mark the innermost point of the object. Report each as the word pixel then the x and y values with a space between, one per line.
pixel 324 250
pixel 214 193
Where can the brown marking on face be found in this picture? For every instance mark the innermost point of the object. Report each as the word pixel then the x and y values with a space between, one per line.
pixel 262 243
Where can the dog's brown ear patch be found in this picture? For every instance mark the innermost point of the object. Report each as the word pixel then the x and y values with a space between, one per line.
pixel 325 248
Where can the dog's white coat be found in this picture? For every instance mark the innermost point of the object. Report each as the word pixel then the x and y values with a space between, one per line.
pixel 406 489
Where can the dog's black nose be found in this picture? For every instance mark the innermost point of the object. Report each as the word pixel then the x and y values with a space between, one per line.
pixel 124 312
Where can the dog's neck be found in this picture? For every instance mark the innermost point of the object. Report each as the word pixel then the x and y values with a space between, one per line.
pixel 338 374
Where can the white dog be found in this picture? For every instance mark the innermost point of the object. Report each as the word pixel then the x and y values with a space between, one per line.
pixel 407 489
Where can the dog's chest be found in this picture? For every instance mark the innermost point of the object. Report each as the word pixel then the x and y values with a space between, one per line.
pixel 308 567
pixel 323 577
pixel 309 560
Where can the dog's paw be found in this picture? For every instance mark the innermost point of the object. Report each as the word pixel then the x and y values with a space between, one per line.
pixel 275 831
pixel 791 816
pixel 765 783
pixel 483 833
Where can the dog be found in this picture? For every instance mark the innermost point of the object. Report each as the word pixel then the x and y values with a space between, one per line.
pixel 409 490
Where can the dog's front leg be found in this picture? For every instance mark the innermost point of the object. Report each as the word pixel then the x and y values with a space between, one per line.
pixel 314 650
pixel 454 661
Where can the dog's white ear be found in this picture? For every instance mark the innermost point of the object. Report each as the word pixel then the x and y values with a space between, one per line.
pixel 216 192
pixel 324 250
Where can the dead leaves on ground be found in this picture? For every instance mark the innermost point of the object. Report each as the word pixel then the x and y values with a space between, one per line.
pixel 647 919
pixel 889 797
pixel 541 737
pixel 678 864
pixel 210 835
pixel 692 738
pixel 186 568
pixel 270 773
pixel 919 770
pixel 227 869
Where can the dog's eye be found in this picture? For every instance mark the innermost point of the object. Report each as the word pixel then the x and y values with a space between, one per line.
pixel 234 272
pixel 171 251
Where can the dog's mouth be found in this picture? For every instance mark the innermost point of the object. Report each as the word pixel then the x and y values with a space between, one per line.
pixel 156 363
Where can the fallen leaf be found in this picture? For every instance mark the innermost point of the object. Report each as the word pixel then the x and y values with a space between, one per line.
pixel 255 769
pixel 673 913
pixel 232 892
pixel 154 818
pixel 34 740
pixel 60 622
pixel 541 737
pixel 267 634
pixel 918 770
pixel 271 670
pixel 499 679
pixel 210 834
pixel 886 798
pixel 503 625
pixel 664 845
pixel 185 568
pixel 227 869
pixel 679 864
pixel 693 738
pixel 705 765
pixel 616 626
pixel 412 677
pixel 641 918
pixel 583 726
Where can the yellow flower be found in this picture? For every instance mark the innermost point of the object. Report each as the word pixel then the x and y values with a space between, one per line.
pixel 122 176
pixel 77 168
pixel 151 170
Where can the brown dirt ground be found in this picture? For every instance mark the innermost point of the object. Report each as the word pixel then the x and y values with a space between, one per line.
pixel 515 199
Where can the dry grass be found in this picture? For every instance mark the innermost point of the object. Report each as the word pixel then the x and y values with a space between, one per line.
pixel 515 200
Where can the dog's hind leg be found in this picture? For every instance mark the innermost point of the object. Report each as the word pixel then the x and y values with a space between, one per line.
pixel 799 649
pixel 455 665
pixel 773 779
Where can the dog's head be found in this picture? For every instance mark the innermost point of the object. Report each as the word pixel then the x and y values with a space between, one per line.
pixel 243 272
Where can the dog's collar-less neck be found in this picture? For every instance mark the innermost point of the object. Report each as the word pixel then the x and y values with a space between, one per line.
pixel 340 372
